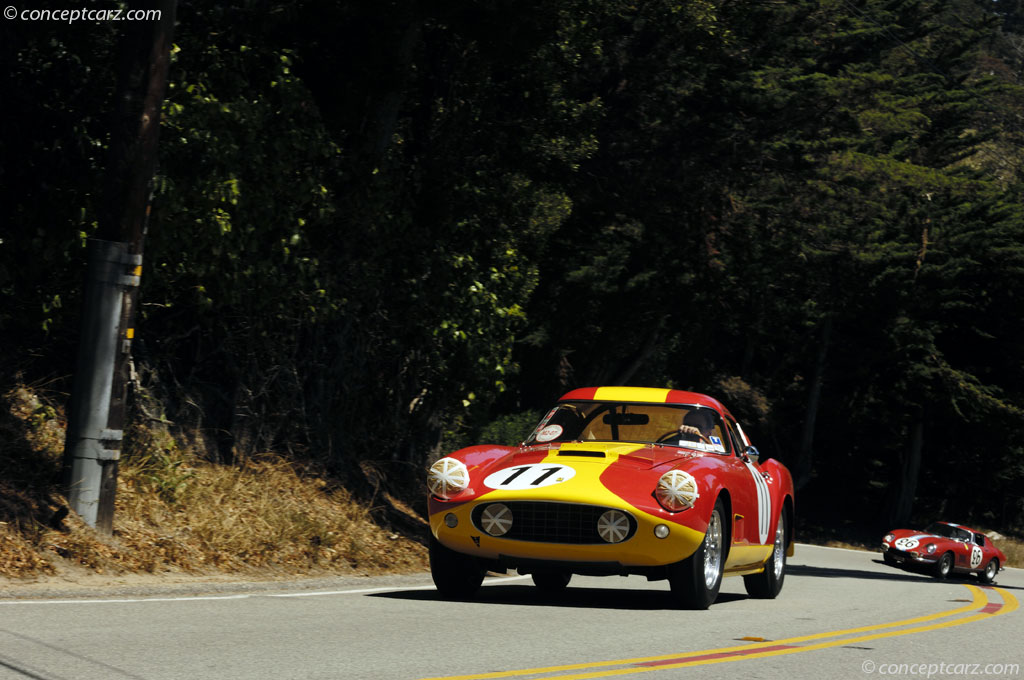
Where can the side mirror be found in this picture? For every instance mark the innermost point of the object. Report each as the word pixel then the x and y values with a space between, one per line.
pixel 752 454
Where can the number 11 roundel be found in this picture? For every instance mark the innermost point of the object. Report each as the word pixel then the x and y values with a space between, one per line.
pixel 532 476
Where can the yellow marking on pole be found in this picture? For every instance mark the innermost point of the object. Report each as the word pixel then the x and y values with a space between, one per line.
pixel 130 333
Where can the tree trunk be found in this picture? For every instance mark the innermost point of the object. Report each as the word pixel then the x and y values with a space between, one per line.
pixel 626 373
pixel 384 116
pixel 805 457
pixel 910 467
pixel 144 60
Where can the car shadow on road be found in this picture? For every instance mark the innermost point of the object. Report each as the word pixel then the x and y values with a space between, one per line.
pixel 526 594
pixel 895 575
pixel 833 572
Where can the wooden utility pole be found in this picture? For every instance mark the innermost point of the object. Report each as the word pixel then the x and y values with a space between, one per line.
pixel 97 409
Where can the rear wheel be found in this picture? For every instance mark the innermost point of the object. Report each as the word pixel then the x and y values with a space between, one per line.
pixel 696 580
pixel 456 576
pixel 944 566
pixel 551 581
pixel 768 583
pixel 991 569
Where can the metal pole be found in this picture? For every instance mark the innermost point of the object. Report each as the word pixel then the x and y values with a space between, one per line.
pixel 92 448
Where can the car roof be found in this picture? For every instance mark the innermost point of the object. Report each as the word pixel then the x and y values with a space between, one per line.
pixel 960 526
pixel 649 395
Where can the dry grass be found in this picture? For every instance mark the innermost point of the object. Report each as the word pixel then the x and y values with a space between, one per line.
pixel 178 513
pixel 1014 550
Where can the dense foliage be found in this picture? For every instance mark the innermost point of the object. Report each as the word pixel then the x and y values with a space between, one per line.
pixel 381 229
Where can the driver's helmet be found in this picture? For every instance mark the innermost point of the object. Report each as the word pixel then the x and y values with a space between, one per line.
pixel 702 419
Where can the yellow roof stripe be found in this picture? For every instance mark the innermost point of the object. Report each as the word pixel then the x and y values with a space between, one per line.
pixel 651 394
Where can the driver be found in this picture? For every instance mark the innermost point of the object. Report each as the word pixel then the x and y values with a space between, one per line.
pixel 697 424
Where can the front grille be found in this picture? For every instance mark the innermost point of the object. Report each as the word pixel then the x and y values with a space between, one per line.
pixel 904 555
pixel 546 522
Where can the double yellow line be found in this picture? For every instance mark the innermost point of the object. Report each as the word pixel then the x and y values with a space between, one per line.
pixel 980 604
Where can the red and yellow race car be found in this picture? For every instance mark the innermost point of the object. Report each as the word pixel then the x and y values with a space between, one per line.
pixel 943 549
pixel 616 480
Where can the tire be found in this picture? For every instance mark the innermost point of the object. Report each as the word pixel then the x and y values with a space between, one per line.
pixel 696 580
pixel 989 574
pixel 456 576
pixel 551 581
pixel 944 567
pixel 768 584
pixel 889 559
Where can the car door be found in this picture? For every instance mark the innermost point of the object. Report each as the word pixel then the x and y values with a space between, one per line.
pixel 752 511
pixel 978 557
pixel 963 552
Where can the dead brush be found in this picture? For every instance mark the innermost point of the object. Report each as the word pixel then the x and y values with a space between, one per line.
pixel 31 438
pixel 177 512
pixel 265 513
pixel 1013 549
pixel 262 514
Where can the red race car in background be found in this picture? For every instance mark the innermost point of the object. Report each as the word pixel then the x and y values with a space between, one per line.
pixel 943 549
pixel 616 480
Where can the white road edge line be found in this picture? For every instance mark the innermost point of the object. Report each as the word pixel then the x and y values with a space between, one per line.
pixel 493 581
pixel 128 600
pixel 496 580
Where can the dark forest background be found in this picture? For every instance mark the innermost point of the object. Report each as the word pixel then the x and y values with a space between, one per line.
pixel 382 230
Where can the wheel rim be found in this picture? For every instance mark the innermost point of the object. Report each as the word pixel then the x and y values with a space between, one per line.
pixel 713 551
pixel 945 565
pixel 779 553
pixel 990 570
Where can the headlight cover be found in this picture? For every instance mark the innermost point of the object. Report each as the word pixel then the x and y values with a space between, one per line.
pixel 496 519
pixel 613 526
pixel 930 548
pixel 447 477
pixel 676 491
pixel 888 538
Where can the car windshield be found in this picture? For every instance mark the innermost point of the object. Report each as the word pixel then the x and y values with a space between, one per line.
pixel 942 529
pixel 696 427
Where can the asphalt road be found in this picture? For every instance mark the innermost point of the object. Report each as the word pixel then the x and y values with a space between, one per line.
pixel 841 614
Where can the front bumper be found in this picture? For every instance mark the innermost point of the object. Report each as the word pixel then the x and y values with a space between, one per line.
pixel 909 556
pixel 642 549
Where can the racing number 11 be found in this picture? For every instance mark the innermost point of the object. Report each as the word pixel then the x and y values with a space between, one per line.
pixel 520 470
pixel 531 476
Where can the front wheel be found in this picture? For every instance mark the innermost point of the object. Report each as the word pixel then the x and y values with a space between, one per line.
pixel 944 566
pixel 768 583
pixel 456 576
pixel 696 580
pixel 551 581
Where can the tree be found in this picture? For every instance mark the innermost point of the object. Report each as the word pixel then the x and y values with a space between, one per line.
pixel 91 463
